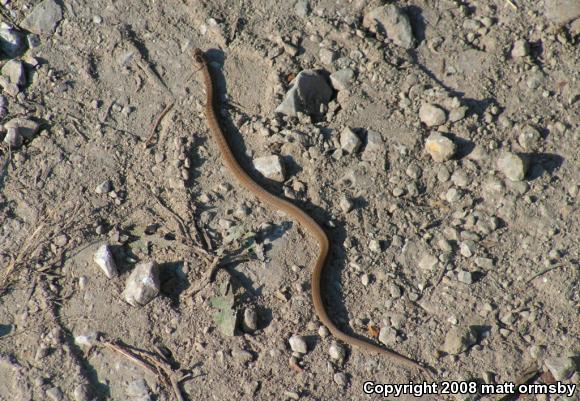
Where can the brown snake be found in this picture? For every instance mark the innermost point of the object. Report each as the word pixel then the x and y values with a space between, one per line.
pixel 297 214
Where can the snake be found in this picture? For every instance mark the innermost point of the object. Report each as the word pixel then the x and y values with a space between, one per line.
pixel 307 222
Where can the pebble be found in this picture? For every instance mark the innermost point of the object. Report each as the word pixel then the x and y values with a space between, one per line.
pixel 439 147
pixel 561 11
pixel 138 389
pixel 375 245
pixel 327 56
pixel 308 93
pixel 395 291
pixel 104 259
pixel 341 379
pixel 388 336
pixel 428 261
pixel 432 115
pixel 54 393
pixel 298 344
pixel 349 141
pixel 301 8
pixel 323 332
pixel 250 321
pixel 459 178
pixel 14 71
pixel 365 279
pixel 392 21
pixel 61 240
pixel 342 79
pixel 529 137
pixel 443 174
pixel 414 171
pixel 270 167
pixel 521 48
pixel 484 263
pixel 242 356
pixel 452 195
pixel 457 114
pixel 82 392
pixel 467 248
pixel 142 285
pixel 9 88
pixel 27 128
pixel 346 204
pixel 512 166
pixel 561 367
pixel 465 277
pixel 11 40
pixel 13 138
pixel 43 18
pixel 458 340
pixel 336 351
pixel 104 187
pixel 374 145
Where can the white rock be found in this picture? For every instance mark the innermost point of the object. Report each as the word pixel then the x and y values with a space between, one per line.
pixel 349 141
pixel 308 92
pixel 270 167
pixel 432 115
pixel 298 344
pixel 327 56
pixel 104 259
pixel 388 336
pixel 529 137
pixel 342 79
pixel 14 71
pixel 440 147
pixel 336 351
pixel 428 261
pixel 341 379
pixel 142 284
pixel 393 22
pixel 512 166
pixel 13 138
pixel 521 48
pixel 43 18
pixel 345 204
pixel 561 367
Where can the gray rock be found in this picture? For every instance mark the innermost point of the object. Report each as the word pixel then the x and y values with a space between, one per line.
pixel 428 261
pixel 27 128
pixel 298 344
pixel 374 145
pixel 457 114
pixel 55 394
pixel 465 277
pixel 341 379
pixel 561 367
pixel 323 332
pixel 561 11
pixel 301 8
pixel 104 259
pixel 388 336
pixel 432 115
pixel 250 321
pixel 43 18
pixel 11 41
pixel 521 48
pixel 393 22
pixel 467 248
pixel 308 92
pixel 337 351
pixel 375 246
pixel 104 187
pixel 342 79
pixel 270 167
pixel 9 88
pixel 349 141
pixel 327 56
pixel 13 138
pixel 138 389
pixel 142 284
pixel 14 71
pixel 242 355
pixel 484 263
pixel 345 204
pixel 458 340
pixel 512 166
pixel 459 178
pixel 82 393
pixel 529 137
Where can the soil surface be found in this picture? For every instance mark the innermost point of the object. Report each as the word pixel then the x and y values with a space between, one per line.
pixel 466 262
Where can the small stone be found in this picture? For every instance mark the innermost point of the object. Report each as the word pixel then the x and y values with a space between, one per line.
pixel 33 41
pixel 395 291
pixel 97 19
pixel 270 167
pixel 323 332
pixel 484 263
pixel 27 128
pixel 391 21
pixel 414 171
pixel 61 240
pixel 104 259
pixel 13 138
pixel 432 115
pixel 521 48
pixel 308 92
pixel 43 18
pixel 104 187
pixel 82 393
pixel 467 248
pixel 14 71
pixel 301 8
pixel 327 56
pixel 342 79
pixel 142 284
pixel 336 351
pixel 298 344
pixel 388 336
pixel 561 367
pixel 349 141
pixel 508 319
pixel 346 204
pixel 428 262
pixel 9 88
pixel 54 393
pixel 512 166
pixel 242 356
pixel 561 11
pixel 375 246
pixel 529 138
pixel 87 340
pixel 458 340
pixel 457 114
pixel 443 174
pixel 11 41
pixel 250 321
pixel 365 279
pixel 341 379
pixel 439 147
pixel 465 277
pixel 459 178
pixel 139 390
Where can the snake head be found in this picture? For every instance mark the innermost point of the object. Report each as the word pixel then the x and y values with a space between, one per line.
pixel 198 56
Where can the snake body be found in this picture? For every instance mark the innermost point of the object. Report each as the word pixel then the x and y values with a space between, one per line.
pixel 297 214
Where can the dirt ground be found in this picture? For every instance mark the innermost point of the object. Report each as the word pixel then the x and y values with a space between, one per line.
pixel 451 263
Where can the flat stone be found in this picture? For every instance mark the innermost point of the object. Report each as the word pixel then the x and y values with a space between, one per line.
pixel 512 166
pixel 142 284
pixel 349 141
pixel 8 87
pixel 27 128
pixel 521 48
pixel 43 18
pixel 298 344
pixel 308 92
pixel 432 115
pixel 337 351
pixel 12 42
pixel 391 21
pixel 14 71
pixel 342 79
pixel 439 147
pixel 104 187
pixel 465 277
pixel 457 114
pixel 388 336
pixel 458 340
pixel 103 257
pixel 250 321
pixel 561 367
pixel 270 167
pixel 13 138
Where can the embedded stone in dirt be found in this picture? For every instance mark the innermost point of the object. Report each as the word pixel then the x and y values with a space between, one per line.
pixel 104 259
pixel 14 71
pixel 142 284
pixel 270 167
pixel 512 166
pixel 298 344
pixel 349 141
pixel 308 92
pixel 432 115
pixel 439 147
pixel 44 18
pixel 342 79
pixel 459 339
pixel 393 22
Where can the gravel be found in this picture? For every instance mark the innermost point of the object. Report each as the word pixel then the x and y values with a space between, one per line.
pixel 44 18
pixel 298 344
pixel 349 141
pixel 309 91
pixel 513 166
pixel 142 285
pixel 432 115
pixel 391 21
pixel 439 147
pixel 271 167
pixel 458 340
